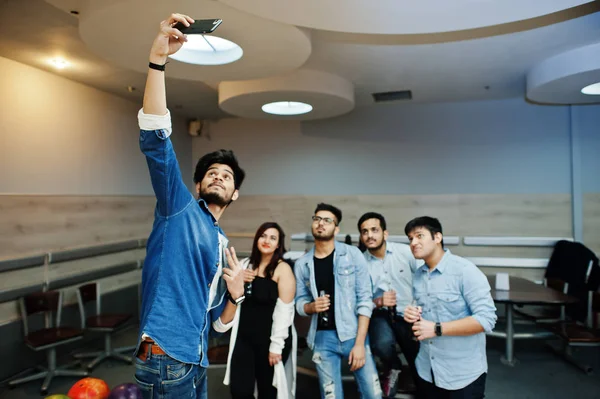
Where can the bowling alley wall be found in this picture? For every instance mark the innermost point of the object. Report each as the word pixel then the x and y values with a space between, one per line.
pixel 488 168
pixel 71 173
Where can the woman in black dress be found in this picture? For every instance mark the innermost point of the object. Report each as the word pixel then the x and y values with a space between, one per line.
pixel 262 334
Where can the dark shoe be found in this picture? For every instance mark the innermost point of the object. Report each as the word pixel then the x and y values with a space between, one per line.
pixel 389 383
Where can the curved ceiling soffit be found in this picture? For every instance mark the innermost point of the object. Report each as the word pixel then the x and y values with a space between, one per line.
pixel 329 95
pixel 389 17
pixel 559 79
pixel 273 49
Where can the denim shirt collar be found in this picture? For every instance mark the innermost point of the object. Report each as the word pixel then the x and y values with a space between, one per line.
pixel 441 266
pixel 387 251
pixel 340 250
pixel 204 206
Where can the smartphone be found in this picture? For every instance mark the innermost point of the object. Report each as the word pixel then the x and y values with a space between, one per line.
pixel 199 27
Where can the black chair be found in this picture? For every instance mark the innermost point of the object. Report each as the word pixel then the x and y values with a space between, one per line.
pixel 577 265
pixel 48 338
pixel 105 323
pixel 572 269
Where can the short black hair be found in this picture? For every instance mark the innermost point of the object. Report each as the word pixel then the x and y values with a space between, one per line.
pixel 372 215
pixel 225 157
pixel 432 224
pixel 330 208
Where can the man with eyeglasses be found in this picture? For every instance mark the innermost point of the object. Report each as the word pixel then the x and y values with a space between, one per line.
pixel 391 266
pixel 340 317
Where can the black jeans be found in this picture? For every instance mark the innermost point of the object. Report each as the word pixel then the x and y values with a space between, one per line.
pixel 475 390
pixel 250 364
pixel 383 334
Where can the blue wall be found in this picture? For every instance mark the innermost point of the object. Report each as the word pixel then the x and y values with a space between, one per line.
pixel 588 121
pixel 503 146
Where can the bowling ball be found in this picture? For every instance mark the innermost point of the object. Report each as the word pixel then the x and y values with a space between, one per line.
pixel 125 391
pixel 57 396
pixel 89 388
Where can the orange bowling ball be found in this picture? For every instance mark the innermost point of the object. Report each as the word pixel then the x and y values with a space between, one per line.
pixel 89 388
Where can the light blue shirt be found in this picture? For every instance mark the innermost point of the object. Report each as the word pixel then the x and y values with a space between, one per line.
pixel 352 290
pixel 455 289
pixel 394 271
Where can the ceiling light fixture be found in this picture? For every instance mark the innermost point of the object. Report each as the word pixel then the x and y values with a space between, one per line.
pixel 287 108
pixel 592 90
pixel 59 63
pixel 208 50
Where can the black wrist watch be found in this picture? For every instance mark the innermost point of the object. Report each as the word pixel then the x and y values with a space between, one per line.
pixel 438 329
pixel 236 301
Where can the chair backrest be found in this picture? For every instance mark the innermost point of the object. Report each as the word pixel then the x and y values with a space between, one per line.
pixel 577 265
pixel 594 311
pixel 574 263
pixel 85 294
pixel 41 302
pixel 556 284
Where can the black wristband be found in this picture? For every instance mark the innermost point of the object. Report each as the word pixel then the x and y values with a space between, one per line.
pixel 157 67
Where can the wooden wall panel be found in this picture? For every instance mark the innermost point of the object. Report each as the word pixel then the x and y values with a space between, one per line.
pixel 57 271
pixel 30 224
pixel 547 215
pixel 591 221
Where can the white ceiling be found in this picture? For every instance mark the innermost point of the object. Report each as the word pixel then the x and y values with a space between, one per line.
pixel 460 57
pixel 393 17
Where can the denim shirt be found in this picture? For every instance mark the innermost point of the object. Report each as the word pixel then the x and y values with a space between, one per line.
pixel 183 255
pixel 394 271
pixel 352 290
pixel 455 289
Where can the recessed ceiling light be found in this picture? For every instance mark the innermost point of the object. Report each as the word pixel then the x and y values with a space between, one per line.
pixel 592 90
pixel 287 108
pixel 208 50
pixel 59 63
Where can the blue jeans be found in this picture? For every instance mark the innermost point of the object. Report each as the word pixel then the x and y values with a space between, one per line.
pixel 327 356
pixel 383 341
pixel 162 377
pixel 384 334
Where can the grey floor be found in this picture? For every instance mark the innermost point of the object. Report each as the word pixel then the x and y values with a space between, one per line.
pixel 539 374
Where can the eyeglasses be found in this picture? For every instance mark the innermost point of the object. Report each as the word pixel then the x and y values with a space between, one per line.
pixel 318 219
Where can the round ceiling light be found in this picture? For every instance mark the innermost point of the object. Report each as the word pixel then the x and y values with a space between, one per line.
pixel 208 50
pixel 59 63
pixel 287 108
pixel 592 90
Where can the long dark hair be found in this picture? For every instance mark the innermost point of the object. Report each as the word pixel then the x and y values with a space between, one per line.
pixel 256 255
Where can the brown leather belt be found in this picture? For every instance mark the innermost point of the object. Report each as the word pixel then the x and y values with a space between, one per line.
pixel 147 346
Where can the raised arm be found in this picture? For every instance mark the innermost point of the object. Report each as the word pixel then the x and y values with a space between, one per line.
pixel 155 124
pixel 168 41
